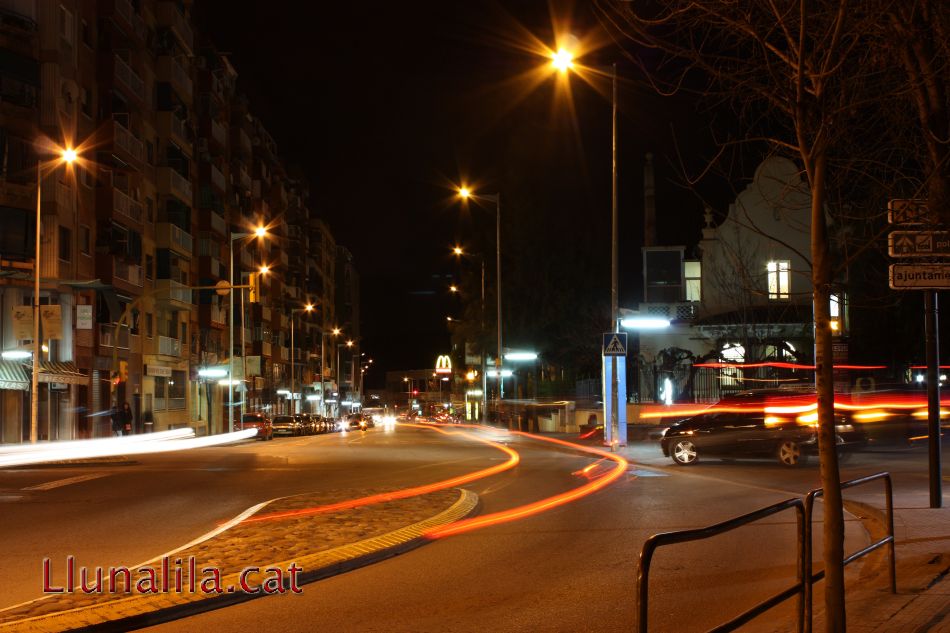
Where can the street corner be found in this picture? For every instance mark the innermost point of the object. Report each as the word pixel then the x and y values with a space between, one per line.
pixel 310 545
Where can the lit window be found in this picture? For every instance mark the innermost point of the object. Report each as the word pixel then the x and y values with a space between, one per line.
pixel 693 274
pixel 778 274
pixel 835 306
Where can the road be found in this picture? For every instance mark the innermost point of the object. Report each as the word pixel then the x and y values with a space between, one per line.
pixel 569 569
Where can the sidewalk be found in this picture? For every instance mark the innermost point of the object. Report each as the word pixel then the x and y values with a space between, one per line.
pixel 922 536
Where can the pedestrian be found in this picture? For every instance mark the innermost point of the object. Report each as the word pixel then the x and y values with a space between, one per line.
pixel 117 422
pixel 127 419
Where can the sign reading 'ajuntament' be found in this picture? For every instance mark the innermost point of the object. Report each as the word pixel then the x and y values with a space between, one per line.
pixel 919 276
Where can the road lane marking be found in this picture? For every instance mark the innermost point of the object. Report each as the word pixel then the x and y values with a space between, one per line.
pixel 66 482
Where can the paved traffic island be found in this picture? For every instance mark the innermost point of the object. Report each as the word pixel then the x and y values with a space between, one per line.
pixel 251 559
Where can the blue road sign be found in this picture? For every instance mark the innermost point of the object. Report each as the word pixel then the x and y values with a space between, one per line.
pixel 615 344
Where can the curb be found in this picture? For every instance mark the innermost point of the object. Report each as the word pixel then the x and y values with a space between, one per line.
pixel 146 610
pixel 117 460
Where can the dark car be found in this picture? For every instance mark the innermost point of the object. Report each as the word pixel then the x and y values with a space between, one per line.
pixel 259 421
pixel 287 425
pixel 726 434
pixel 356 422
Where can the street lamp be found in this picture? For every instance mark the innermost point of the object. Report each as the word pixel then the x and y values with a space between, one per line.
pixel 66 156
pixel 259 233
pixel 307 308
pixel 484 412
pixel 563 62
pixel 465 193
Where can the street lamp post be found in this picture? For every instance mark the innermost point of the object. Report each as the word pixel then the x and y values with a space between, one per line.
pixel 563 61
pixel 306 308
pixel 466 193
pixel 259 232
pixel 67 156
pixel 349 343
pixel 484 412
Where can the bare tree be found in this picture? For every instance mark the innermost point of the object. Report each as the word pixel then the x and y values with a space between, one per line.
pixel 796 72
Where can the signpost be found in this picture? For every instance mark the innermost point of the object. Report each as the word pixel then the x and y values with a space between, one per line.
pixel 919 276
pixel 902 211
pixel 614 355
pixel 918 244
pixel 929 277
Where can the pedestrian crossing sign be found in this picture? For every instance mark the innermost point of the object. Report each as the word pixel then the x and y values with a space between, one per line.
pixel 615 344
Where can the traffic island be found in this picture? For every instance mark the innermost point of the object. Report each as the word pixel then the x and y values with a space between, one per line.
pixel 251 559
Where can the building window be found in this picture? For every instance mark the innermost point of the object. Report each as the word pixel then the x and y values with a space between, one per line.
pixel 149 210
pixel 85 102
pixel 692 272
pixel 86 33
pixel 148 324
pixel 835 309
pixel 176 390
pixel 67 25
pixel 779 281
pixel 149 266
pixel 65 245
pixel 85 240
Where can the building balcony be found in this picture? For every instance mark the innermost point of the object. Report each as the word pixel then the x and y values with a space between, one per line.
pixel 169 346
pixel 171 182
pixel 170 70
pixel 129 80
pixel 124 141
pixel 124 205
pixel 218 180
pixel 219 134
pixel 243 178
pixel 170 16
pixel 679 311
pixel 129 273
pixel 218 224
pixel 243 144
pixel 170 126
pixel 266 349
pixel 173 294
pixel 213 316
pixel 130 21
pixel 170 236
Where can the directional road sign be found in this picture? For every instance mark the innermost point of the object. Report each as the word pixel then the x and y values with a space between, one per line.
pixel 918 244
pixel 909 212
pixel 615 344
pixel 920 276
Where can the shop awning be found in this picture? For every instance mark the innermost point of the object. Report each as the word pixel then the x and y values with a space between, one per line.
pixel 67 373
pixel 13 376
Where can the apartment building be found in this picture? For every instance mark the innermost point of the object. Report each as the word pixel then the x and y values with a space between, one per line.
pixel 174 173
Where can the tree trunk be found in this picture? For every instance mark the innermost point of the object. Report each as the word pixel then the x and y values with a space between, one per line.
pixel 835 618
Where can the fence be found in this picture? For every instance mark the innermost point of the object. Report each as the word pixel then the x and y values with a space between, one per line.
pixel 804 585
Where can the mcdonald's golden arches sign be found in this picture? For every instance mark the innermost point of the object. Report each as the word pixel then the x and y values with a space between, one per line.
pixel 443 364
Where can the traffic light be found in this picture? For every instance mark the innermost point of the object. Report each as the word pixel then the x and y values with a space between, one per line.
pixel 415 392
pixel 254 292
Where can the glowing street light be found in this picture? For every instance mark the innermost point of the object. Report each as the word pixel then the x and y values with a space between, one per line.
pixel 259 232
pixel 465 193
pixel 293 370
pixel 562 60
pixel 68 156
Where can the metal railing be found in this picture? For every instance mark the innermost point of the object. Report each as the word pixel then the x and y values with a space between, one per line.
pixel 804 586
pixel 886 540
pixel 684 536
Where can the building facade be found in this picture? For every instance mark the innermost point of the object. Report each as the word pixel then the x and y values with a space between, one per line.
pixel 175 174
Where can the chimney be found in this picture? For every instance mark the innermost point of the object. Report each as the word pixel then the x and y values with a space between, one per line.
pixel 649 202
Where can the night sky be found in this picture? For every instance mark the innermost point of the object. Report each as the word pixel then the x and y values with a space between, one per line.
pixel 383 106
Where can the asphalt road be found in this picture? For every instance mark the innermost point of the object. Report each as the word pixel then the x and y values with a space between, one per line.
pixel 570 569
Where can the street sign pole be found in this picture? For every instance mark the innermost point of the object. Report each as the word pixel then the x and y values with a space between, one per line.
pixel 932 339
pixel 929 278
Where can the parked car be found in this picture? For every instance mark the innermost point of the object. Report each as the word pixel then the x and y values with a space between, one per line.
pixel 312 423
pixel 726 434
pixel 287 425
pixel 259 421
